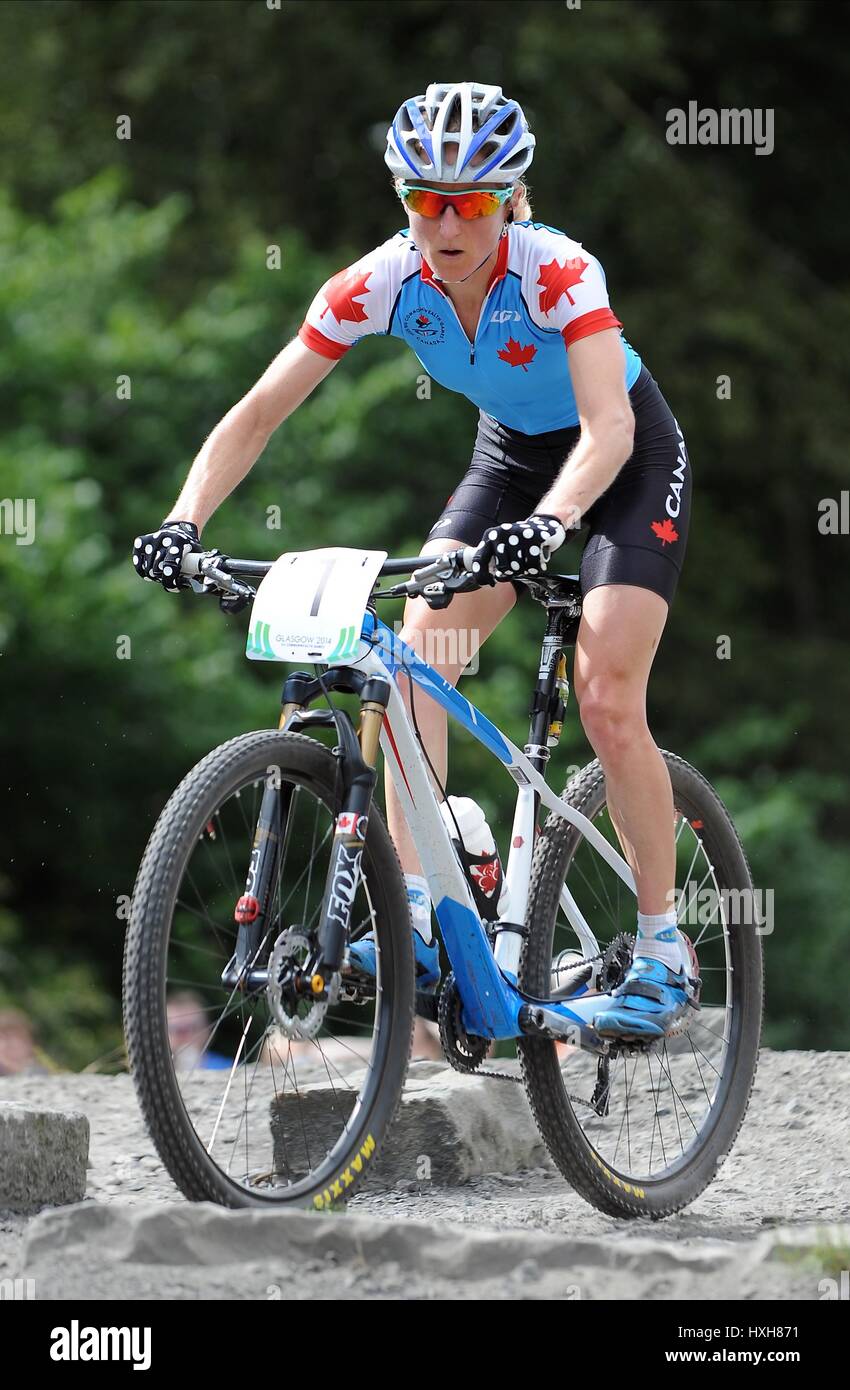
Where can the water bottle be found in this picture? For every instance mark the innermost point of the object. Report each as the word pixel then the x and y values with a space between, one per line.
pixel 479 856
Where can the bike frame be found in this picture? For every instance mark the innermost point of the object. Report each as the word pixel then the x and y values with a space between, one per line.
pixel 493 1005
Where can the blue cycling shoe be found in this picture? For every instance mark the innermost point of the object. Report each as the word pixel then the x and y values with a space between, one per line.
pixel 651 1002
pixel 361 954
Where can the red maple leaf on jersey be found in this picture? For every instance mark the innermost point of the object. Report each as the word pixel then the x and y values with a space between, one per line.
pixel 557 280
pixel 517 355
pixel 341 291
pixel 665 530
pixel 423 321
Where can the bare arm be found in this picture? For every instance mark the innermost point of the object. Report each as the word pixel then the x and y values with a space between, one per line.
pixel 237 441
pixel 607 428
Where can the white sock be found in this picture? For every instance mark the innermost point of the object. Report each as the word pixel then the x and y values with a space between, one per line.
pixel 420 905
pixel 652 927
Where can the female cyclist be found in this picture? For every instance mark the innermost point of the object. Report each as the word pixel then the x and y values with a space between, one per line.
pixel 573 432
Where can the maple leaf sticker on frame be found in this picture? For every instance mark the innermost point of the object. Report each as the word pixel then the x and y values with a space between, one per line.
pixel 341 292
pixel 665 530
pixel 517 354
pixel 558 279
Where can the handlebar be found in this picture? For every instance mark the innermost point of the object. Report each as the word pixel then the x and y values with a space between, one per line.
pixel 449 569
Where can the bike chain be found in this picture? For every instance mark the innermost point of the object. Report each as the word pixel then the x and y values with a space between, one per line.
pixel 449 1041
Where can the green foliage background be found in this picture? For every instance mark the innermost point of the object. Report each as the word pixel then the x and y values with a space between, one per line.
pixel 146 258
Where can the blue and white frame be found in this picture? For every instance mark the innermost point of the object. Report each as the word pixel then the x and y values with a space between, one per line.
pixel 487 980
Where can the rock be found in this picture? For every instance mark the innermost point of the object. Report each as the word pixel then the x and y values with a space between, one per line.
pixel 204 1235
pixel 43 1157
pixel 425 1242
pixel 449 1129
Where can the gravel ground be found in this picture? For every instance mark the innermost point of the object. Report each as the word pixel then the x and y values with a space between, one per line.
pixel 788 1174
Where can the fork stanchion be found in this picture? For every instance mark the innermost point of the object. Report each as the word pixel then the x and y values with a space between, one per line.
pixel 289 709
pixel 371 722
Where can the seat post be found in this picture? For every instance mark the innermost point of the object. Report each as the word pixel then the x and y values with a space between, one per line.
pixel 542 701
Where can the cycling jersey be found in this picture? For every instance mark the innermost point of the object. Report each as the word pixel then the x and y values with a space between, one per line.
pixel 544 294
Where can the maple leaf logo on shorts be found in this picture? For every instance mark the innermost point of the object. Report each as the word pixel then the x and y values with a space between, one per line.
pixel 665 530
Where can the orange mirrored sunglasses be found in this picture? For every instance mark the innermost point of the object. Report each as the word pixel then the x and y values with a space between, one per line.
pixel 475 202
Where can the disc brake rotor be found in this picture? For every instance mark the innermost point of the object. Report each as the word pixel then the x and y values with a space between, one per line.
pixel 297 1013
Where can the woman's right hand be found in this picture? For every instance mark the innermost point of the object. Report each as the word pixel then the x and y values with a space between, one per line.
pixel 159 555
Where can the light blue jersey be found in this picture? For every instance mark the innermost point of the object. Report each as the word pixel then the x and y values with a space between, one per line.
pixel 546 292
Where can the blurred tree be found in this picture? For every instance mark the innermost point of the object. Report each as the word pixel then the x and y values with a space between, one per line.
pixel 146 260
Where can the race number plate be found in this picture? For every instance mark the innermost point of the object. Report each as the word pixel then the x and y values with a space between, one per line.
pixel 311 604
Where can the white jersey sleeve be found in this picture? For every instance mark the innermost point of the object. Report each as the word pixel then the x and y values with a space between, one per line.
pixel 357 301
pixel 564 285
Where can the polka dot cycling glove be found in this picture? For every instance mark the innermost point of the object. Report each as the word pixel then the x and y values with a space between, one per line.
pixel 517 548
pixel 159 555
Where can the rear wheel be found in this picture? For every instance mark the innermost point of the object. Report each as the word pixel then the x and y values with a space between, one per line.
pixel 246 1107
pixel 642 1132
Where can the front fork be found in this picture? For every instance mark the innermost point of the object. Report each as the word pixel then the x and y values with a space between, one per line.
pixel 357 754
pixel 360 752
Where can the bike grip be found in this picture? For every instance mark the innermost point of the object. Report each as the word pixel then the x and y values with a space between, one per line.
pixel 191 565
pixel 466 557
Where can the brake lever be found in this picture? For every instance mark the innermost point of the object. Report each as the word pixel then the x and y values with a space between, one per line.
pixel 447 569
pixel 438 569
pixel 233 594
pixel 221 578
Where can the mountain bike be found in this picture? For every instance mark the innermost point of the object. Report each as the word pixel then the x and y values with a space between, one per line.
pixel 271 858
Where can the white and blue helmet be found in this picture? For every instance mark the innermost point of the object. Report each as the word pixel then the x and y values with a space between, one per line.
pixel 482 120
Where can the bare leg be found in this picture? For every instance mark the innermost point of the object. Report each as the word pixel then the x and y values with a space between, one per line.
pixel 618 636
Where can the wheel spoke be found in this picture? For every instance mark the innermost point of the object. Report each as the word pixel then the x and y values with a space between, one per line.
pixel 663 1095
pixel 274 1085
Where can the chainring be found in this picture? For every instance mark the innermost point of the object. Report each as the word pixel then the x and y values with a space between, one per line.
pixel 465 1052
pixel 616 961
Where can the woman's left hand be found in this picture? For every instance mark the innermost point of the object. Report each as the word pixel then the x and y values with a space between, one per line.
pixel 517 548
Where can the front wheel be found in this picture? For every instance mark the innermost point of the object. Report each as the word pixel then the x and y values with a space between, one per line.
pixel 642 1131
pixel 247 1105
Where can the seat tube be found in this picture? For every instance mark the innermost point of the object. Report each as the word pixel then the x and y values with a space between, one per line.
pixel 524 832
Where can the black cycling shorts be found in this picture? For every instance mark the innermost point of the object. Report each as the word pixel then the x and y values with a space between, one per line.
pixel 636 531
